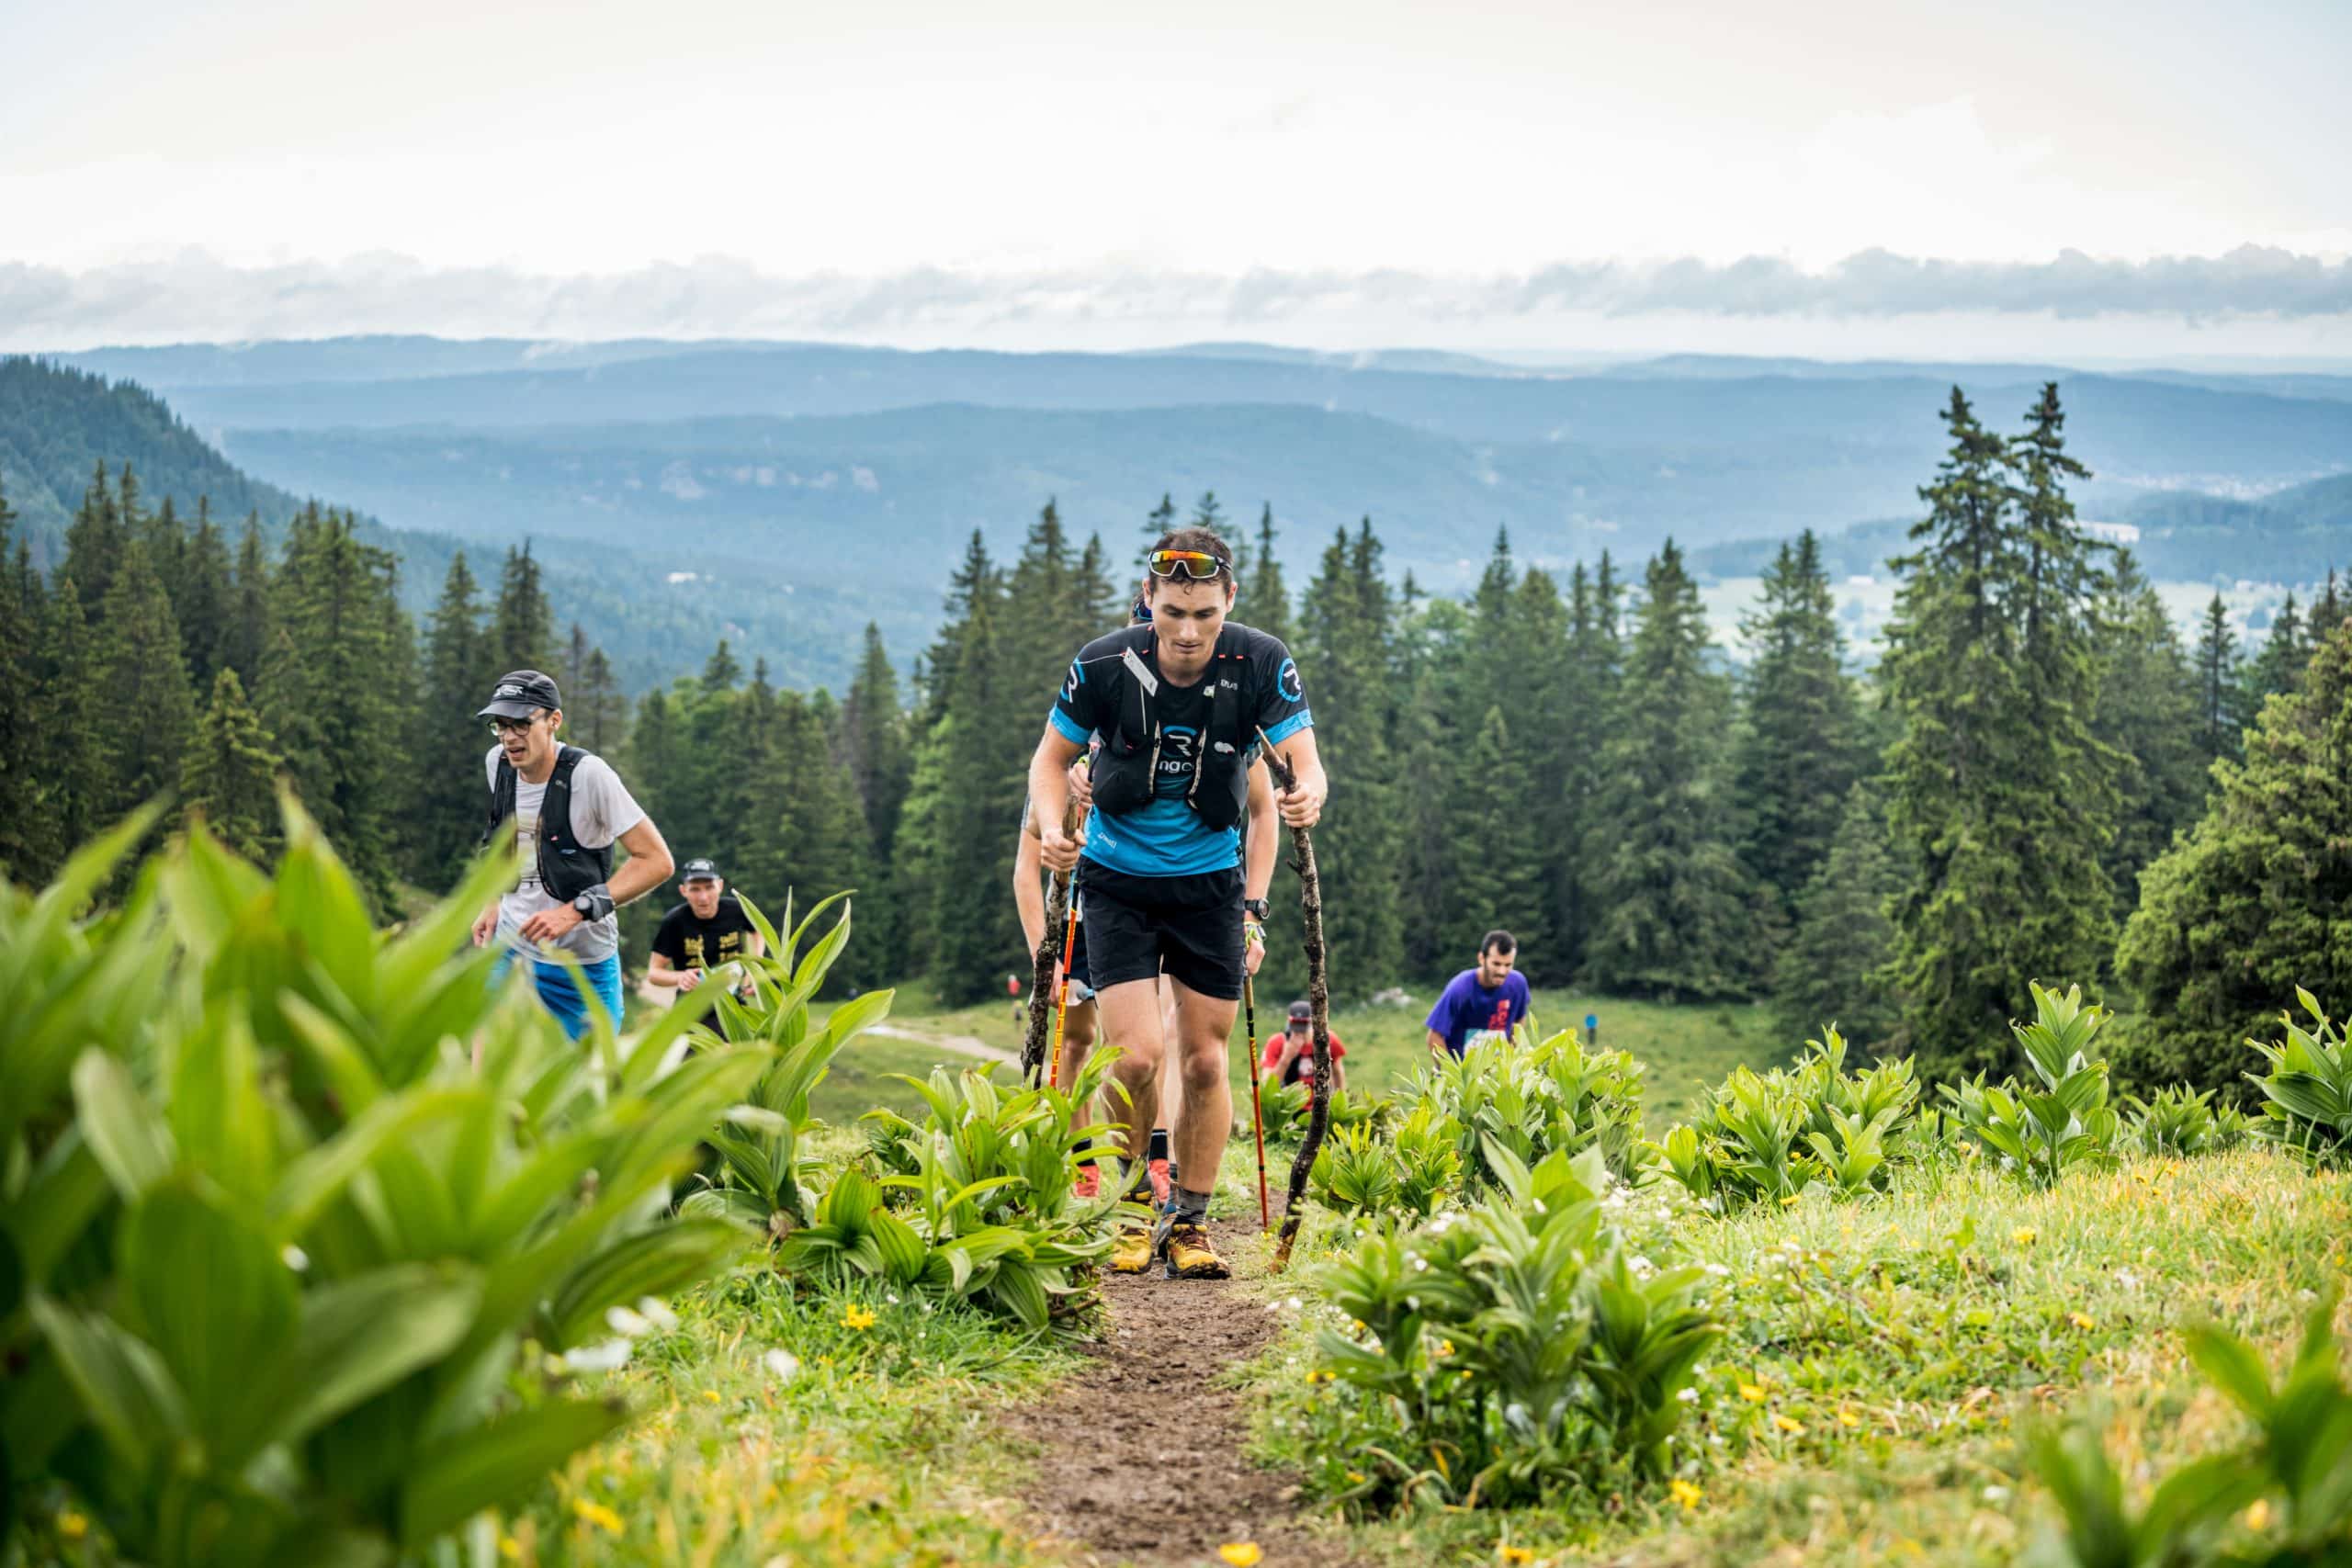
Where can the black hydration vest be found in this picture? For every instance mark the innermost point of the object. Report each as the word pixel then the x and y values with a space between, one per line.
pixel 1127 768
pixel 567 867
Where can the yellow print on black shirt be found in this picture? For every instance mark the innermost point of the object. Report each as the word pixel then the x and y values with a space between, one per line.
pixel 730 948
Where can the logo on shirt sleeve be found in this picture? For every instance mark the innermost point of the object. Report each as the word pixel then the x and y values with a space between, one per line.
pixel 1287 683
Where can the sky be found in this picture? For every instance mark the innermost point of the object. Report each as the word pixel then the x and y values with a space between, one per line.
pixel 2153 178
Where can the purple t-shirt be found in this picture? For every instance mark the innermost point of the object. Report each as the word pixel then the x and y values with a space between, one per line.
pixel 1466 1009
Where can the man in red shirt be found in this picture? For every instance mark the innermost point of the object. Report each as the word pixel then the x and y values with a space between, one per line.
pixel 1285 1056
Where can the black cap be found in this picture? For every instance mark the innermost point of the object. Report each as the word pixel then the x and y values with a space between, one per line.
pixel 699 871
pixel 520 693
pixel 1300 1012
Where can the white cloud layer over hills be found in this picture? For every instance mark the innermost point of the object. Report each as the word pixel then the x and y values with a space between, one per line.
pixel 2251 299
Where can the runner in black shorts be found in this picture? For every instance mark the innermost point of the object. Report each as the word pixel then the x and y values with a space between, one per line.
pixel 1179 704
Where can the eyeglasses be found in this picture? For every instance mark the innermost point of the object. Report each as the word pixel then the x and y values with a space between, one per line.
pixel 505 727
pixel 1199 565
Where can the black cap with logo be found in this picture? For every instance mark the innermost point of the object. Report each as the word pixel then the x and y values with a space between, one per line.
pixel 520 693
pixel 1301 1013
pixel 699 871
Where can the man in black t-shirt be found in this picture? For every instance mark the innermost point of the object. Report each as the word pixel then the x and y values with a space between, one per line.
pixel 707 930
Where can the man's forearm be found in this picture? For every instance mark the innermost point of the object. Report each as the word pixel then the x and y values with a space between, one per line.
pixel 1048 786
pixel 1438 1041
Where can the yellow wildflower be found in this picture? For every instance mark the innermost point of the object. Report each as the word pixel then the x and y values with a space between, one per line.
pixel 2257 1515
pixel 510 1548
pixel 1686 1492
pixel 1240 1553
pixel 1791 1200
pixel 1316 1375
pixel 1506 1552
pixel 1355 1478
pixel 711 1394
pixel 1445 1347
pixel 1789 1424
pixel 72 1525
pixel 1752 1393
pixel 2082 1320
pixel 858 1317
pixel 2023 1235
pixel 1848 1418
pixel 597 1514
pixel 1967 1149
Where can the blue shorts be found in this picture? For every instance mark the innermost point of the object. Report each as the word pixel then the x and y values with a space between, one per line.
pixel 562 998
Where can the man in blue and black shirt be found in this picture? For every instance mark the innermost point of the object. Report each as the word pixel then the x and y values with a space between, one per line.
pixel 1179 704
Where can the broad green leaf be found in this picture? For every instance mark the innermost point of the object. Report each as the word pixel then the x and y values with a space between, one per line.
pixel 493 1464
pixel 120 1382
pixel 130 1140
pixel 210 1294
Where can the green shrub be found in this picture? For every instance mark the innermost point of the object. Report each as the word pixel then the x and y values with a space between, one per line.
pixel 1763 1137
pixel 1511 1350
pixel 286 1196
pixel 2040 1132
pixel 2218 1510
pixel 2182 1120
pixel 2307 1094
pixel 1533 1099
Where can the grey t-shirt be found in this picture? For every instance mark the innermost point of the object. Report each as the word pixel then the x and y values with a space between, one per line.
pixel 602 810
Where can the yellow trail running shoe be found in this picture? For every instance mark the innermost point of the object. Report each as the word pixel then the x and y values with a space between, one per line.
pixel 1133 1253
pixel 1190 1256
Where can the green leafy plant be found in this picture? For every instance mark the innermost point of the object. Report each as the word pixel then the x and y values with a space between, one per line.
pixel 1513 1348
pixel 2307 1094
pixel 286 1197
pixel 2182 1120
pixel 1763 1137
pixel 2042 1132
pixel 993 1215
pixel 1533 1099
pixel 2218 1509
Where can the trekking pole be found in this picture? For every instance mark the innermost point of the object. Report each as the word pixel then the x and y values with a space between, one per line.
pixel 1061 1015
pixel 1048 960
pixel 1319 1002
pixel 1257 1116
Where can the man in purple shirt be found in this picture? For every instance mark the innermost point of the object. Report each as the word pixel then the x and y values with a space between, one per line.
pixel 1492 1000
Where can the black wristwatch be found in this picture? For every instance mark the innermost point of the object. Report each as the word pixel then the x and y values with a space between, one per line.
pixel 594 904
pixel 1254 907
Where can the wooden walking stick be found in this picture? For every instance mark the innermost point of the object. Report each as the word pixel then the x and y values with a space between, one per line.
pixel 1050 950
pixel 1318 1001
pixel 1061 1008
pixel 1257 1114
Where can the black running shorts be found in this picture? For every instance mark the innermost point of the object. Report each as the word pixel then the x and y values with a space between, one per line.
pixel 1190 926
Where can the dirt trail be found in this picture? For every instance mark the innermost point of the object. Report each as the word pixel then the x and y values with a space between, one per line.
pixel 1141 1453
pixel 963 1044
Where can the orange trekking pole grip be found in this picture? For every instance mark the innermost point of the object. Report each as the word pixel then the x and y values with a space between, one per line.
pixel 1257 1115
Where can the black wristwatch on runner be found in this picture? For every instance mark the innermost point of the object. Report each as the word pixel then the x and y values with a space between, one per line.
pixel 594 904
pixel 1255 908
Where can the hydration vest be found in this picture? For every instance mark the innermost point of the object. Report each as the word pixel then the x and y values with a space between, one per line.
pixel 1126 770
pixel 567 867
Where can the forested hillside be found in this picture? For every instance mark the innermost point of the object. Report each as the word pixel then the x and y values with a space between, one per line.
pixel 1564 754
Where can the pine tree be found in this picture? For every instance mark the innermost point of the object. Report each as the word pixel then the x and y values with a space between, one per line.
pixel 2280 663
pixel 2147 717
pixel 76 779
pixel 1156 523
pixel 2218 685
pixel 1998 795
pixel 2250 904
pixel 93 542
pixel 146 711
pixel 1497 877
pixel 1827 970
pixel 1675 909
pixel 522 627
pixel 595 708
pixel 448 741
pixel 248 634
pixel 1590 713
pixel 722 671
pixel 201 599
pixel 1265 597
pixel 229 776
pixel 29 845
pixel 1799 752
pixel 1207 513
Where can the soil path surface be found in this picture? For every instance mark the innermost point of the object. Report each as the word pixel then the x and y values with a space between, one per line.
pixel 963 1044
pixel 1141 1455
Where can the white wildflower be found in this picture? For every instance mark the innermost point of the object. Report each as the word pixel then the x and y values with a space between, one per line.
pixel 627 1324
pixel 295 1257
pixel 782 1365
pixel 609 1357
pixel 656 1311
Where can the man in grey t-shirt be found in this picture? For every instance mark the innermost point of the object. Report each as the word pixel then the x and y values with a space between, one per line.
pixel 568 808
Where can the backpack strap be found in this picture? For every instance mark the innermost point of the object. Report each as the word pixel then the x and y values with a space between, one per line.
pixel 501 798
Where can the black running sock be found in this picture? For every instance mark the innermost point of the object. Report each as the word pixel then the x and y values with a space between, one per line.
pixel 1158 1143
pixel 1189 1208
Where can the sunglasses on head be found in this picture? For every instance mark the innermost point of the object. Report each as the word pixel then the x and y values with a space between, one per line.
pixel 1198 565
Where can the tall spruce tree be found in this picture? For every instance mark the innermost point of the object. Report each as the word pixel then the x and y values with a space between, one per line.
pixel 1497 875
pixel 146 711
pixel 2147 718
pixel 1675 909
pixel 1799 749
pixel 522 624
pixel 203 600
pixel 2277 664
pixel 29 844
pixel 2250 904
pixel 448 741
pixel 74 772
pixel 93 542
pixel 1828 971
pixel 1998 792
pixel 229 775
pixel 2218 683
pixel 1264 602
pixel 1590 711
pixel 596 709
